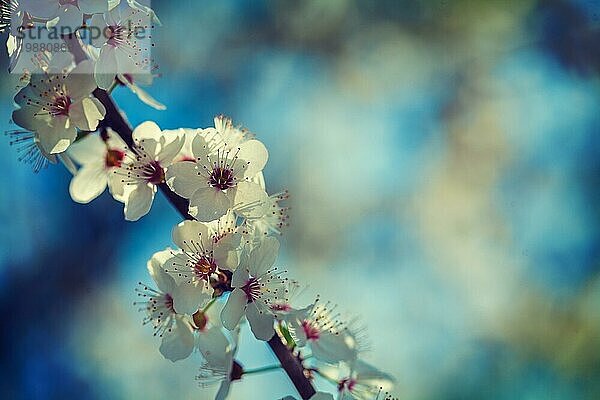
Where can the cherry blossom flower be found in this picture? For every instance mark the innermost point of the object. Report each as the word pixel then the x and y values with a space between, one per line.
pixel 54 106
pixel 220 177
pixel 274 219
pixel 141 173
pixel 256 287
pixel 204 251
pixel 168 322
pixel 219 363
pixel 283 308
pixel 320 329
pixel 99 156
pixel 124 45
pixel 364 382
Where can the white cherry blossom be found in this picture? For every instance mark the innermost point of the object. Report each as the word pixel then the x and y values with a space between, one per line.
pixel 219 364
pixel 124 44
pixel 220 177
pixel 54 106
pixel 256 287
pixel 364 382
pixel 140 174
pixel 319 328
pixel 99 156
pixel 172 326
pixel 204 250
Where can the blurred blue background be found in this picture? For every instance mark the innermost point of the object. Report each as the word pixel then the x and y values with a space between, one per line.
pixel 442 158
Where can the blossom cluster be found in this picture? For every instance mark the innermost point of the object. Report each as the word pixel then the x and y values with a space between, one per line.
pixel 221 271
pixel 56 101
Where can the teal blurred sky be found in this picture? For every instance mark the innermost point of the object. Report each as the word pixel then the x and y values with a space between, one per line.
pixel 442 158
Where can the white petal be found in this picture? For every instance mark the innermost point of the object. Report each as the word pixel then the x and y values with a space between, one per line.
pixel 147 130
pixel 179 343
pixel 213 345
pixel 199 147
pixel 234 309
pixel 184 179
pixel 80 83
pixel 139 202
pixel 170 150
pixel 106 67
pixel 156 268
pixel 263 256
pixel 250 200
pixel 368 374
pixel 89 149
pixel 225 258
pixel 188 298
pixel 223 390
pixel 144 96
pixel 239 278
pixel 261 322
pixel 88 184
pixel 332 348
pixel 208 204
pixel 254 152
pixel 57 138
pixel 87 113
pixel 188 231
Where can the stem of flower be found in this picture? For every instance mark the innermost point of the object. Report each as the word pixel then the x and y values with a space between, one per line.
pixel 210 303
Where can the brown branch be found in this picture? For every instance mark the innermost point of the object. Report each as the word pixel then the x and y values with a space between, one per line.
pixel 290 364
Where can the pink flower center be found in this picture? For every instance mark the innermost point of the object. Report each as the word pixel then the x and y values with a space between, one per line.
pixel 156 173
pixel 169 303
pixel 310 331
pixel 284 307
pixel 60 106
pixel 115 35
pixel 114 158
pixel 205 267
pixel 252 289
pixel 347 384
pixel 221 178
